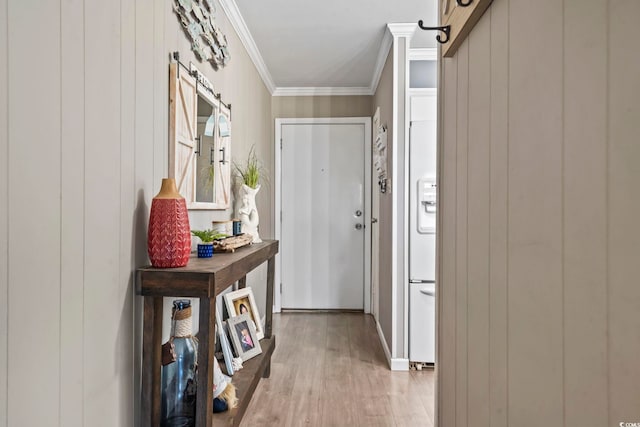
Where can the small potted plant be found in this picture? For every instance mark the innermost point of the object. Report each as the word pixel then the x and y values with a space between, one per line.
pixel 205 249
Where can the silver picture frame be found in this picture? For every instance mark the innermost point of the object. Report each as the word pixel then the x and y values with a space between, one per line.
pixel 224 343
pixel 243 336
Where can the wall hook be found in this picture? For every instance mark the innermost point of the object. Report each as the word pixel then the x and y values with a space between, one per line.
pixel 463 4
pixel 445 29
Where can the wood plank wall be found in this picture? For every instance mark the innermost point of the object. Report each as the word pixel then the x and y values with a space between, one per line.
pixel 70 210
pixel 83 149
pixel 33 179
pixel 4 211
pixel 539 209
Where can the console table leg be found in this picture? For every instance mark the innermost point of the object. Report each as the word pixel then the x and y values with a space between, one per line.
pixel 267 370
pixel 271 263
pixel 206 340
pixel 151 361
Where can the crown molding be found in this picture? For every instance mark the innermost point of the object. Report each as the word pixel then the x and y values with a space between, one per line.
pixel 383 53
pixel 423 54
pixel 402 29
pixel 321 91
pixel 232 12
pixel 230 9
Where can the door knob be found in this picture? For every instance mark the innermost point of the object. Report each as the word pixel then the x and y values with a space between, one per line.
pixel 358 213
pixel 358 226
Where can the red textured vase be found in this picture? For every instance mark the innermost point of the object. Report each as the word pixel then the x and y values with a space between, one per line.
pixel 169 237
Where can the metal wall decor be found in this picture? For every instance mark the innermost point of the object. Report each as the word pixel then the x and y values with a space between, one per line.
pixel 207 40
pixel 380 151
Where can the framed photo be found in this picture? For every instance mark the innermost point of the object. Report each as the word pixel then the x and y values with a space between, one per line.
pixel 224 343
pixel 241 302
pixel 243 336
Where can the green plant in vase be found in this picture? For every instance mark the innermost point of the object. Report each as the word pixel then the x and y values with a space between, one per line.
pixel 205 249
pixel 250 171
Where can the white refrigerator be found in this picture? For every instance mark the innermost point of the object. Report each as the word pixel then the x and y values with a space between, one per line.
pixel 422 229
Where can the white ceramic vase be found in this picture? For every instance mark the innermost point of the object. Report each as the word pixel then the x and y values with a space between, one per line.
pixel 247 211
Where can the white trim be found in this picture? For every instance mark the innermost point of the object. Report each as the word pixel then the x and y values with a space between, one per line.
pixel 402 29
pixel 368 141
pixel 405 31
pixel 383 342
pixel 394 205
pixel 232 12
pixel 237 21
pixel 398 364
pixel 395 364
pixel 366 122
pixel 321 91
pixel 406 185
pixel 383 53
pixel 423 54
pixel 277 300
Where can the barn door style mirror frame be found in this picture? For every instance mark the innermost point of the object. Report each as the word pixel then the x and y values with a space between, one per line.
pixel 199 139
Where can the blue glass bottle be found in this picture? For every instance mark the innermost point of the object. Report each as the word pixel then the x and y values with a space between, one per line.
pixel 179 377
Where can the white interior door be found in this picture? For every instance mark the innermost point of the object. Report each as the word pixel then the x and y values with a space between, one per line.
pixel 323 215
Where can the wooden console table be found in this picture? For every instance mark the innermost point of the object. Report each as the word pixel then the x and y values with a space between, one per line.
pixel 203 278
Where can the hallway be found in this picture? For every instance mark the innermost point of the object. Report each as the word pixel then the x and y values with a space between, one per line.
pixel 330 370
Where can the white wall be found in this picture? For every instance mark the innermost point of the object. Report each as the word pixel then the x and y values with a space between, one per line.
pixel 79 173
pixel 539 237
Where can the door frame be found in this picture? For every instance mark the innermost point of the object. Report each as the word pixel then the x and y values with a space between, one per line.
pixel 364 121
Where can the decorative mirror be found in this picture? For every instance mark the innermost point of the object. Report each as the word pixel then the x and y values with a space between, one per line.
pixel 200 140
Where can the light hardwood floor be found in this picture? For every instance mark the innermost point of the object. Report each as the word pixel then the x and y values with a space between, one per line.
pixel 330 370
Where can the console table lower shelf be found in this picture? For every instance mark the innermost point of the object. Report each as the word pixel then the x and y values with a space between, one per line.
pixel 204 279
pixel 246 380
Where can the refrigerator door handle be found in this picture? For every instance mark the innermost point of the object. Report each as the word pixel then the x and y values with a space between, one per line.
pixel 429 293
pixel 421 281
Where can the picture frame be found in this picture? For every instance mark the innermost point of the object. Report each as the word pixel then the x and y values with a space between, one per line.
pixel 243 336
pixel 224 343
pixel 242 301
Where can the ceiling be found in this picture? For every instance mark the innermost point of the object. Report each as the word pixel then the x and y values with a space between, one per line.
pixel 332 46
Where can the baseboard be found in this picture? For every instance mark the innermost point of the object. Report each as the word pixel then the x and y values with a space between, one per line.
pixel 395 364
pixel 398 364
pixel 385 347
